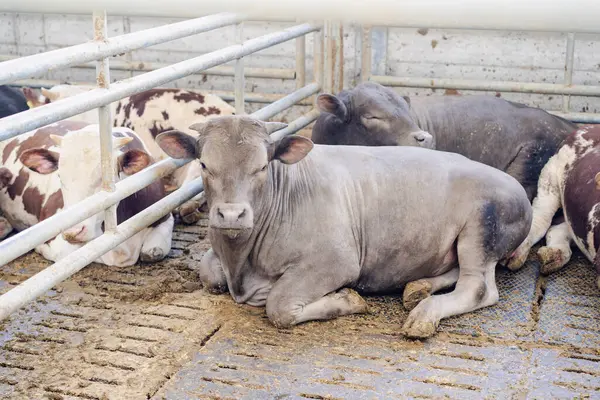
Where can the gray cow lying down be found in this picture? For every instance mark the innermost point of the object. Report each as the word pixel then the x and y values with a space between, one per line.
pixel 512 137
pixel 293 226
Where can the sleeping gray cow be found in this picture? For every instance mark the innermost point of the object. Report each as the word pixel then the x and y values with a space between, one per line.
pixel 509 136
pixel 293 226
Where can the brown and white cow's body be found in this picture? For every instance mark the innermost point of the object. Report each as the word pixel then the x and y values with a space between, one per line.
pixel 29 196
pixel 148 114
pixel 571 181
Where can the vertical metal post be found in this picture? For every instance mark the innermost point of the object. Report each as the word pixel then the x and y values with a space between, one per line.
pixel 300 62
pixel 328 61
pixel 318 57
pixel 105 122
pixel 365 68
pixel 338 56
pixel 569 68
pixel 239 80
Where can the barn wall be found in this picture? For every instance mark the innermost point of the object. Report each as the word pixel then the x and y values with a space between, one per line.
pixel 490 55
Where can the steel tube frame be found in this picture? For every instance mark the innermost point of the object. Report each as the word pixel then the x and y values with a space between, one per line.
pixel 29 66
pixel 34 118
pixel 569 68
pixel 300 62
pixel 297 124
pixel 286 102
pixel 143 66
pixel 498 86
pixel 250 97
pixel 107 157
pixel 47 229
pixel 534 15
pixel 63 269
pixel 239 81
pixel 366 49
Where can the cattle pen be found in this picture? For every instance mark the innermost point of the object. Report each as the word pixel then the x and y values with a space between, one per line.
pixel 151 332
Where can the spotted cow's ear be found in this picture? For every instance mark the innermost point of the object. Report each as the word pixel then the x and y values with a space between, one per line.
pixel 178 144
pixel 40 160
pixel 329 103
pixel 133 161
pixel 290 149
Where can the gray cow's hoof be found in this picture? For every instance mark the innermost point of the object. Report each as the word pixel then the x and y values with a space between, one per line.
pixel 552 260
pixel 419 330
pixel 153 255
pixel 352 302
pixel 415 292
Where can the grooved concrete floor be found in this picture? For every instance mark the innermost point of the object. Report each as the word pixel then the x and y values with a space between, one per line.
pixel 150 332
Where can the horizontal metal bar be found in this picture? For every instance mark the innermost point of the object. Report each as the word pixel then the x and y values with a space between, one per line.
pixel 584 118
pixel 25 67
pixel 533 15
pixel 34 118
pixel 297 124
pixel 268 73
pixel 41 282
pixel 498 86
pixel 47 229
pixel 286 102
pixel 251 97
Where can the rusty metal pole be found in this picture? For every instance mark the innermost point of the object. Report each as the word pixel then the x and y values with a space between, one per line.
pixel 105 122
pixel 365 68
pixel 300 62
pixel 239 80
pixel 337 38
pixel 569 69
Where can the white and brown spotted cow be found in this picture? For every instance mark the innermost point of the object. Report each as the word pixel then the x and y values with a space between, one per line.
pixel 148 114
pixel 571 181
pixel 58 165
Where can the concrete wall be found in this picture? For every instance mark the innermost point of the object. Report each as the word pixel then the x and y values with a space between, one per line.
pixel 490 55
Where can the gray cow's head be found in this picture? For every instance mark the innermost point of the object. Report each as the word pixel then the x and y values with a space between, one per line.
pixel 234 154
pixel 368 115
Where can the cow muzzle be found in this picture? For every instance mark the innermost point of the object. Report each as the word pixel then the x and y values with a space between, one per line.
pixel 75 235
pixel 231 219
pixel 423 139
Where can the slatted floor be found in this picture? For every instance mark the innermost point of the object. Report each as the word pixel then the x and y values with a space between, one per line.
pixel 150 332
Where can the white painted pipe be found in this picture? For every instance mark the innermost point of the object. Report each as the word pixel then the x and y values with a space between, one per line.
pixel 530 15
pixel 16 124
pixel 24 241
pixel 133 65
pixel 286 102
pixel 498 86
pixel 38 64
pixel 41 282
pixel 297 124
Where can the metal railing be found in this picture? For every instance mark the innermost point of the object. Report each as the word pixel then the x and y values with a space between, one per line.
pixel 566 89
pixel 105 93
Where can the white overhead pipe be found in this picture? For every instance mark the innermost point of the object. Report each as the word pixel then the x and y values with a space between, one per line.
pixel 530 15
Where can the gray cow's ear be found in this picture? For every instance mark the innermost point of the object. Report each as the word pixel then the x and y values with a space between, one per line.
pixel 290 149
pixel 178 144
pixel 329 103
pixel 40 160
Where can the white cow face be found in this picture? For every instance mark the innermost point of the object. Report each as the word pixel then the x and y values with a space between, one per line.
pixel 79 169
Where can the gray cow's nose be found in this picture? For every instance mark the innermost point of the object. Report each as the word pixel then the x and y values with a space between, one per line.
pixel 231 216
pixel 231 212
